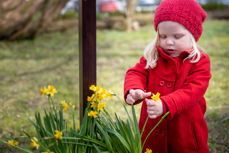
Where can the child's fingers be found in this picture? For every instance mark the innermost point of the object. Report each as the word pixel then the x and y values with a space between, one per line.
pixel 152 113
pixel 133 93
pixel 142 95
pixel 150 108
pixel 139 94
pixel 150 102
pixel 129 99
pixel 146 94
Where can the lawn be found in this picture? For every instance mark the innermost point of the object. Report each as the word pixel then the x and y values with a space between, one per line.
pixel 28 65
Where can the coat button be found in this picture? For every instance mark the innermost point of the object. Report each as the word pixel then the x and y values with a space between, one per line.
pixel 162 83
pixel 169 84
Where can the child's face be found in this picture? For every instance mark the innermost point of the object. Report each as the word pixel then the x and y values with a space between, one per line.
pixel 174 38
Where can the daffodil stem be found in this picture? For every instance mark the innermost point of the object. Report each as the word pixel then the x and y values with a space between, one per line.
pixel 73 119
pixel 144 125
pixel 51 102
pixel 164 116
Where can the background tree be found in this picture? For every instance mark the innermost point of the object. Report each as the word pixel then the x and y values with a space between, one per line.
pixel 130 10
pixel 24 19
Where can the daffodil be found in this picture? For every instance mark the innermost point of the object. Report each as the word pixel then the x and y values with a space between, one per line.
pixel 12 143
pixel 64 105
pixel 34 143
pixel 93 104
pixel 89 99
pixel 98 97
pixel 108 94
pixel 101 105
pixel 51 90
pixel 156 97
pixel 148 150
pixel 43 91
pixel 58 134
pixel 78 127
pixel 98 89
pixel 93 114
pixel 93 88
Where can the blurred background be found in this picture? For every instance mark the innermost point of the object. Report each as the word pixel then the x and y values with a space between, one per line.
pixel 39 47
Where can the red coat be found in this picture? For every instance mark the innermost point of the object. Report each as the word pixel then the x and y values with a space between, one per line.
pixel 182 86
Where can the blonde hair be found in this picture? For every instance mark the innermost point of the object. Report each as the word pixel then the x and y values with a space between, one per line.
pixel 151 53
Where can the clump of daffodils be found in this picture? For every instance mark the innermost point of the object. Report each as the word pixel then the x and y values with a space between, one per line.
pixel 50 91
pixel 96 100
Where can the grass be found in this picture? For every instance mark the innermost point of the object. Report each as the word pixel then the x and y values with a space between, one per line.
pixel 28 65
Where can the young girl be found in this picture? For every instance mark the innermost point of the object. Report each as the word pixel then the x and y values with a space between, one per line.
pixel 173 66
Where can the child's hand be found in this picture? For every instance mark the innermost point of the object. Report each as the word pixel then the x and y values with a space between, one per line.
pixel 136 94
pixel 154 108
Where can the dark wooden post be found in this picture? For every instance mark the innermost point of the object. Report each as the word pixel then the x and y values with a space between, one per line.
pixel 87 50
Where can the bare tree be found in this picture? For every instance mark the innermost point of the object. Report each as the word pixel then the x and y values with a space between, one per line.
pixel 24 19
pixel 130 10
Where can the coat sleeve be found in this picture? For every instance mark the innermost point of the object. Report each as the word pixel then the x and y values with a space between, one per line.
pixel 192 90
pixel 136 77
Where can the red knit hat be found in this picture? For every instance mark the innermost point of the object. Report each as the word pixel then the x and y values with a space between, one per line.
pixel 186 12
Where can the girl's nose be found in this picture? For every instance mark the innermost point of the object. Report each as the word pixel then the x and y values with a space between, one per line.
pixel 169 42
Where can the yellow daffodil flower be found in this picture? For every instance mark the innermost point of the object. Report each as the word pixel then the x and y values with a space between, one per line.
pixel 93 114
pixel 93 88
pixel 89 99
pixel 12 143
pixel 108 94
pixel 98 89
pixel 73 106
pixel 93 104
pixel 34 143
pixel 78 127
pixel 51 90
pixel 101 106
pixel 103 91
pixel 58 134
pixel 43 91
pixel 98 97
pixel 148 150
pixel 156 97
pixel 64 105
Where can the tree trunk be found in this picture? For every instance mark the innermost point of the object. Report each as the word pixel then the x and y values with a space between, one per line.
pixel 24 19
pixel 130 10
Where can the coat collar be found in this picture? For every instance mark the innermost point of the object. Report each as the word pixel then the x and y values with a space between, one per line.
pixel 183 55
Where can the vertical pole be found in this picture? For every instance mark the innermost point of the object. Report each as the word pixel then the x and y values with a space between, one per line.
pixel 87 50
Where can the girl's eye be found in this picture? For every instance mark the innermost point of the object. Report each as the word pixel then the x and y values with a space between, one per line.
pixel 178 36
pixel 162 36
